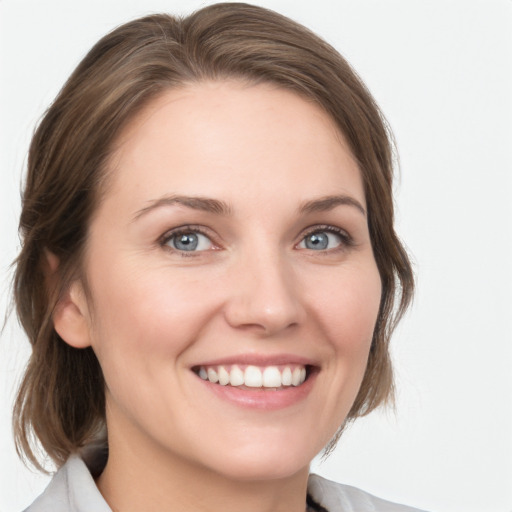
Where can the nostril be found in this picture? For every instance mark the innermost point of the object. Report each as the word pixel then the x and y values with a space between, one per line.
pixel 262 319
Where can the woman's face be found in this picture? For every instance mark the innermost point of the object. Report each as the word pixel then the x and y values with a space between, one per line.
pixel 232 244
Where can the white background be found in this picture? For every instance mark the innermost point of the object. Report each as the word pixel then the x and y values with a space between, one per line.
pixel 441 71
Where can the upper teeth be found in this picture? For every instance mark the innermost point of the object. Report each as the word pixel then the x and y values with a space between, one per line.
pixel 253 376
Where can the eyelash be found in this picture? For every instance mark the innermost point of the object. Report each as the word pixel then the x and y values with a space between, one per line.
pixel 184 230
pixel 346 239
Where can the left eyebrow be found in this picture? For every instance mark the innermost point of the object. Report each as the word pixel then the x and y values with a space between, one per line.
pixel 329 202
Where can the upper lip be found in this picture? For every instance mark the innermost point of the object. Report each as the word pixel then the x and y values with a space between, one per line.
pixel 260 360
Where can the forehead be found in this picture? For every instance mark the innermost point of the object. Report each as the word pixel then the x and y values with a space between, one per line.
pixel 225 138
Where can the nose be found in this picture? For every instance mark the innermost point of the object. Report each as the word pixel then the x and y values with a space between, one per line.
pixel 264 295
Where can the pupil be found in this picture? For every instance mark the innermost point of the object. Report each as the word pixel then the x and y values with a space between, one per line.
pixel 186 242
pixel 317 241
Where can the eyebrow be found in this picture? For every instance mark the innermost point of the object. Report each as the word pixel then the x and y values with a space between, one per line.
pixel 218 207
pixel 204 204
pixel 329 202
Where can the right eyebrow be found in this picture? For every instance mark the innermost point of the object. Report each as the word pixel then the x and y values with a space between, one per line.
pixel 205 204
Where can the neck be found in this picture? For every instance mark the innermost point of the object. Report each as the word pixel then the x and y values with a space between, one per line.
pixel 139 476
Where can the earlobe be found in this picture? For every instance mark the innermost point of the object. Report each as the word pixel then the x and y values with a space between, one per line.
pixel 71 318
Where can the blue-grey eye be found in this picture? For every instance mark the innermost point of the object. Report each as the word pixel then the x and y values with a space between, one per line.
pixel 320 241
pixel 190 241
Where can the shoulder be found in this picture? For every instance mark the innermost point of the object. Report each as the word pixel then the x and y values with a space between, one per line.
pixel 70 490
pixel 338 497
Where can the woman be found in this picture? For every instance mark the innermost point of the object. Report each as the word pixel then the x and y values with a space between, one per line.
pixel 209 269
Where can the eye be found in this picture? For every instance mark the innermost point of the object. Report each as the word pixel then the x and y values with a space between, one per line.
pixel 323 240
pixel 188 241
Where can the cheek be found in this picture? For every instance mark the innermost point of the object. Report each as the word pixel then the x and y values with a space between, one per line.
pixel 345 304
pixel 146 320
pixel 148 312
pixel 348 306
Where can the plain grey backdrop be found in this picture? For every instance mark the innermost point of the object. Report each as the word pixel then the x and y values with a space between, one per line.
pixel 442 72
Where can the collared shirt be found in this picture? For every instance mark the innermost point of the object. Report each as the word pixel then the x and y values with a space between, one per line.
pixel 72 489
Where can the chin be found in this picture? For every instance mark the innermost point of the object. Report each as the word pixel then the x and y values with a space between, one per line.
pixel 264 468
pixel 270 460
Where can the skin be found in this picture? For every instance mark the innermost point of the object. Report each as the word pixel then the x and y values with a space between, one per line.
pixel 154 312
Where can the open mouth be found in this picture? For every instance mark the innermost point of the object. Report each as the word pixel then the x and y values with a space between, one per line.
pixel 254 377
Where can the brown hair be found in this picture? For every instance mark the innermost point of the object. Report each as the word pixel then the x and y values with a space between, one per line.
pixel 61 399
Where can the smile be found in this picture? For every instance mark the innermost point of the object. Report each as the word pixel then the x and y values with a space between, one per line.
pixel 249 376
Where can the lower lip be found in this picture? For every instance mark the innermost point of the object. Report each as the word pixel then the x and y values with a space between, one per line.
pixel 259 398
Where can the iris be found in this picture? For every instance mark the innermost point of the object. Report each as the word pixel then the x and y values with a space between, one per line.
pixel 317 241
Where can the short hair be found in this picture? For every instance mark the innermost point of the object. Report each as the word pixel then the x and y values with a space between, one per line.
pixel 61 402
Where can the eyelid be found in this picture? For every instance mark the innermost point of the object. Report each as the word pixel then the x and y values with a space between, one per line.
pixel 164 239
pixel 346 238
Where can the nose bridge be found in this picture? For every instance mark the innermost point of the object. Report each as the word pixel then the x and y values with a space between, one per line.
pixel 264 291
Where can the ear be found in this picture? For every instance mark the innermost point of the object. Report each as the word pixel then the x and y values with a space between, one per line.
pixel 71 317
